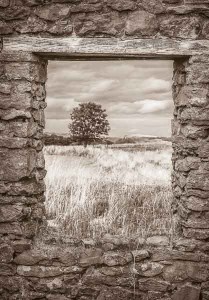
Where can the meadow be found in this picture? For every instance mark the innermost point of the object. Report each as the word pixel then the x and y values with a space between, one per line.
pixel 120 189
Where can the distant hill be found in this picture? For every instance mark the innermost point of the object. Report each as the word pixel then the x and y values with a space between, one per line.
pixel 65 140
pixel 57 139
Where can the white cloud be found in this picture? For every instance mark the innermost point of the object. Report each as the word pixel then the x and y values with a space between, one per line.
pixel 150 106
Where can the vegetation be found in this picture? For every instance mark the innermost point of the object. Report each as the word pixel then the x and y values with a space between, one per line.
pixel 119 190
pixel 88 123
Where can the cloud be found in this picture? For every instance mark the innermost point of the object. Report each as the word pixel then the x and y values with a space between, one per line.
pixel 150 106
pixel 139 107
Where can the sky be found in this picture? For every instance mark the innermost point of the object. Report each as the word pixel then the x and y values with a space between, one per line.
pixel 135 93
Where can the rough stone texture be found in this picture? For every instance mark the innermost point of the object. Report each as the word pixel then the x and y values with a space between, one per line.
pixel 114 267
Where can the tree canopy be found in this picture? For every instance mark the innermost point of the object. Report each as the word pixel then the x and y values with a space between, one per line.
pixel 88 123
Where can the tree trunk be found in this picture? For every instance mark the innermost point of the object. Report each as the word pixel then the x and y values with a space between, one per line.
pixel 85 143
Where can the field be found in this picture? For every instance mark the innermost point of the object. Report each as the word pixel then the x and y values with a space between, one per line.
pixel 120 189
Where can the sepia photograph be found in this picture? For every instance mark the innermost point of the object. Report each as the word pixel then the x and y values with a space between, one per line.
pixel 104 149
pixel 108 148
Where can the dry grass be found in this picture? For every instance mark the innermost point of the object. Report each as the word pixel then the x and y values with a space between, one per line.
pixel 119 190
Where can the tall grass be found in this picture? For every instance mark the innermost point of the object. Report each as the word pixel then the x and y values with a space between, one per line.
pixel 97 190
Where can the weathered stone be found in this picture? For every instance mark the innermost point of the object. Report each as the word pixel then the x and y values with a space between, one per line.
pixel 192 95
pixel 5 88
pixel 21 245
pixel 10 228
pixel 198 180
pixel 194 132
pixel 27 187
pixel 103 24
pixel 61 28
pixel 180 271
pixel 187 292
pixel 30 257
pixel 32 25
pixel 39 271
pixel 157 241
pixel 57 296
pixel 117 258
pixel 4 3
pixel 14 13
pixel 139 255
pixel 13 114
pixel 10 213
pixel 7 270
pixel 16 164
pixel 122 5
pixel 86 7
pixel 180 27
pixel 205 30
pixel 5 28
pixel 90 257
pixel 52 12
pixel 111 276
pixel 196 233
pixel 141 23
pixel 197 116
pixel 12 283
pixel 187 164
pixel 13 143
pixel 115 241
pixel 18 71
pixel 6 253
pixel 197 73
pixel 196 204
pixel 152 6
pixel 151 284
pixel 203 150
pixel 118 293
pixel 149 269
pixel 169 255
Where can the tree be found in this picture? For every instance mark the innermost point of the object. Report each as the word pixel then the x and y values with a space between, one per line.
pixel 88 123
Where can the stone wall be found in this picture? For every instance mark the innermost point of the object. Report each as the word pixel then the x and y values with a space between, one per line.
pixel 112 268
pixel 184 19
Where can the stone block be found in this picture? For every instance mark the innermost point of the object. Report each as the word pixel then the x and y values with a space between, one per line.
pixel 16 164
pixel 39 271
pixel 25 187
pixel 11 228
pixel 174 26
pixel 152 6
pixel 149 269
pixel 52 12
pixel 13 114
pixel 30 257
pixel 139 255
pixel 111 23
pixel 187 292
pixel 90 257
pixel 192 95
pixel 197 73
pixel 151 284
pixel 157 241
pixel 11 213
pixel 181 271
pixel 122 5
pixel 118 258
pixel 196 203
pixel 141 23
pixel 21 245
pixel 198 180
pixel 7 269
pixel 6 253
pixel 196 233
